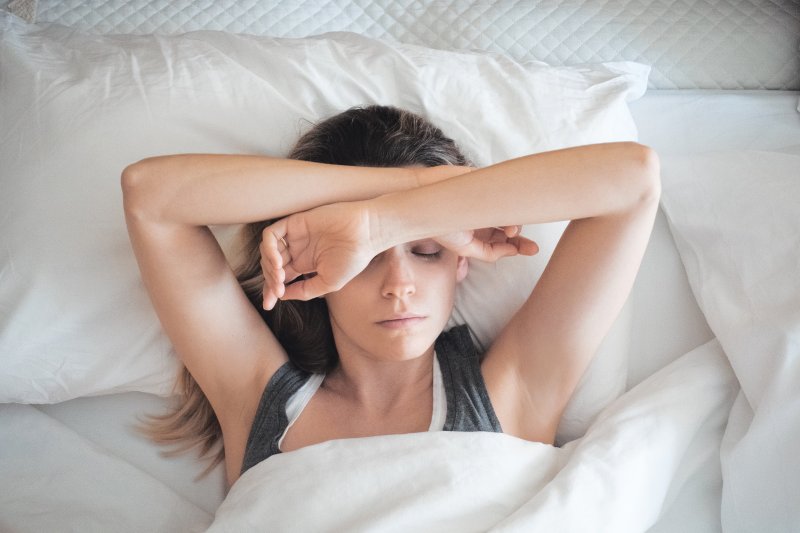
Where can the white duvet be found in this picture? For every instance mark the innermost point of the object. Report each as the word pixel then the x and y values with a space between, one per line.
pixel 618 477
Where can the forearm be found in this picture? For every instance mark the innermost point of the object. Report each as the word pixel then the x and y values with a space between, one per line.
pixel 580 182
pixel 207 189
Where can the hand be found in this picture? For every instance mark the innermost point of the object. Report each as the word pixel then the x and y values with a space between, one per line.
pixel 489 244
pixel 333 241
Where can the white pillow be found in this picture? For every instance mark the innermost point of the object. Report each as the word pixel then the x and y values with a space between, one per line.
pixel 736 221
pixel 76 109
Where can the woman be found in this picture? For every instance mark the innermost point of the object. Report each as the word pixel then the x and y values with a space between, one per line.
pixel 353 247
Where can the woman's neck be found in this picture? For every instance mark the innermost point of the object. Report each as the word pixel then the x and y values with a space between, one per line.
pixel 379 388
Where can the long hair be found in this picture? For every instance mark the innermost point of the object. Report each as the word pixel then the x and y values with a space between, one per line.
pixel 372 136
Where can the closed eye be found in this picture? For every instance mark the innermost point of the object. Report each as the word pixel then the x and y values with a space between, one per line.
pixel 426 249
pixel 429 255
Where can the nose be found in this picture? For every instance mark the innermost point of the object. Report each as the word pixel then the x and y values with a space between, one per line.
pixel 398 278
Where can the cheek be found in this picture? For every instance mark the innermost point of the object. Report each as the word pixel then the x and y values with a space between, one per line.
pixel 349 300
pixel 339 300
pixel 441 283
pixel 450 270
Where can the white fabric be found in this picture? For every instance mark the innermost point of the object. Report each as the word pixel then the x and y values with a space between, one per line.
pixel 665 318
pixel 298 401
pixel 80 108
pixel 615 478
pixel 666 322
pixel 736 220
pixel 63 481
pixel 439 414
pixel 83 483
pixel 731 44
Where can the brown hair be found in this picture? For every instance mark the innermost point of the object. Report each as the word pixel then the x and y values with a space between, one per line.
pixel 373 136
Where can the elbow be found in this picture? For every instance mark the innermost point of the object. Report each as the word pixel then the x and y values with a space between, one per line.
pixel 130 178
pixel 134 188
pixel 647 174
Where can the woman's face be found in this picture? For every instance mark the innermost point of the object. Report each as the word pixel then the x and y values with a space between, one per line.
pixel 418 278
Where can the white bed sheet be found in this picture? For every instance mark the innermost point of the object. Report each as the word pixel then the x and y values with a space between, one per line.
pixel 92 441
pixel 692 122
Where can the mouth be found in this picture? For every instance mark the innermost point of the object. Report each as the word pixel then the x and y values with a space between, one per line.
pixel 400 323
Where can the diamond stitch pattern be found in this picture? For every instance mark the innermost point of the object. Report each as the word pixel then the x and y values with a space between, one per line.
pixel 691 44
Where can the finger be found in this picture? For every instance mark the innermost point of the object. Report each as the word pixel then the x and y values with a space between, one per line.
pixel 276 277
pixel 291 273
pixel 498 235
pixel 502 249
pixel 267 260
pixel 272 290
pixel 269 297
pixel 307 289
pixel 270 263
pixel 274 255
pixel 268 285
pixel 288 272
pixel 283 250
pixel 511 231
pixel 488 251
pixel 273 241
pixel 527 246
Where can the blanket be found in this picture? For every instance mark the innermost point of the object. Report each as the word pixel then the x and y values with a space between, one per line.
pixel 618 477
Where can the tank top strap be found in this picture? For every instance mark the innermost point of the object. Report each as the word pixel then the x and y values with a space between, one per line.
pixel 271 413
pixel 468 405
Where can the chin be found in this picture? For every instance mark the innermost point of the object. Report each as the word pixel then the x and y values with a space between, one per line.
pixel 406 344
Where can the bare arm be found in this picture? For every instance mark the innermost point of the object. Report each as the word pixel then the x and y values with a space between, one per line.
pixel 169 202
pixel 609 192
pixel 573 183
pixel 208 189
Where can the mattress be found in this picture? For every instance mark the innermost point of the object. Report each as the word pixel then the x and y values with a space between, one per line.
pixel 691 44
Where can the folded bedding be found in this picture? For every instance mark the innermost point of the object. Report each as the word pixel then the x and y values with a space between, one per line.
pixel 615 478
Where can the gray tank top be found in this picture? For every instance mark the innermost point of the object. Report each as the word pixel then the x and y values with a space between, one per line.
pixel 468 404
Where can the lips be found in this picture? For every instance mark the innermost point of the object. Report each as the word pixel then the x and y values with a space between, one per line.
pixel 401 321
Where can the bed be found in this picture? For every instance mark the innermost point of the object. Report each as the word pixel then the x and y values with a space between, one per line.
pixel 688 418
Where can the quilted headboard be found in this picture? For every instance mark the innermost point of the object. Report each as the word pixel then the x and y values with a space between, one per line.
pixel 691 44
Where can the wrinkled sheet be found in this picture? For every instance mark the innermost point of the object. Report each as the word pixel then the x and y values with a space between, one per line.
pixel 55 479
pixel 618 477
pixel 735 217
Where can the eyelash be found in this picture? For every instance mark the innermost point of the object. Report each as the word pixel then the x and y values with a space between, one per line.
pixel 429 257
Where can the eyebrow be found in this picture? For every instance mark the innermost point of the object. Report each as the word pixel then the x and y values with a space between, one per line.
pixel 424 241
